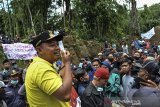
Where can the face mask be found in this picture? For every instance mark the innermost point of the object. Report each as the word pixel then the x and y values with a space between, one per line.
pixel 14 82
pixel 15 66
pixel 136 58
pixel 110 59
pixel 2 95
pixel 6 68
pixel 86 81
pixel 5 72
pixel 99 89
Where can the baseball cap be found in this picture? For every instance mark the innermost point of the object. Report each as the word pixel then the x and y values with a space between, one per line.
pixel 151 67
pixel 102 73
pixel 2 85
pixel 99 54
pixel 46 36
pixel 74 67
pixel 106 63
pixel 14 72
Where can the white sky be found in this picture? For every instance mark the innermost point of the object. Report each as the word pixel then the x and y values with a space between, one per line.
pixel 141 3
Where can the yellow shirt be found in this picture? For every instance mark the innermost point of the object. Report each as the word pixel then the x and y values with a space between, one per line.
pixel 41 81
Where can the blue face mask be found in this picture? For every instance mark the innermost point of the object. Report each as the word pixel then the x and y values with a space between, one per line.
pixel 5 72
pixel 14 82
pixel 99 89
pixel 15 66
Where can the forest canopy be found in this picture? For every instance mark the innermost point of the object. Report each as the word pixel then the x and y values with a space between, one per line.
pixel 87 19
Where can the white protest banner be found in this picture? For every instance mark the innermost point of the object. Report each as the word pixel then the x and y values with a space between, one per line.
pixel 19 51
pixel 149 34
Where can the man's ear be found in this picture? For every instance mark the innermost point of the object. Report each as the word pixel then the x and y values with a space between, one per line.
pixel 81 78
pixel 38 49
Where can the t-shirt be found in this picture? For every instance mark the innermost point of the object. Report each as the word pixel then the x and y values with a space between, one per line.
pixel 127 82
pixel 41 81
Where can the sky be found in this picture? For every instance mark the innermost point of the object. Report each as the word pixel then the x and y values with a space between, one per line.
pixel 141 3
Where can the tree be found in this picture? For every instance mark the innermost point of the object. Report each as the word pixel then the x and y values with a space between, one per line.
pixel 134 22
pixel 149 17
pixel 100 19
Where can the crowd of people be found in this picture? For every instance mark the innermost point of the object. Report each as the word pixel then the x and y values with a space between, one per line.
pixel 114 78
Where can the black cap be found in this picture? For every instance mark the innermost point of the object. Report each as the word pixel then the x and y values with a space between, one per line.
pixel 46 36
pixel 151 67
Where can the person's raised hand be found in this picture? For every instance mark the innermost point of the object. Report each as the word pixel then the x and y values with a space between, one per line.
pixel 149 83
pixel 65 55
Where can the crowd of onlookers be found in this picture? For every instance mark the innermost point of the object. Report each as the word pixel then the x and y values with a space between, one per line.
pixel 112 78
pixel 7 39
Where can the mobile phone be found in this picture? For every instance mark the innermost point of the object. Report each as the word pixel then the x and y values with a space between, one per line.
pixel 60 43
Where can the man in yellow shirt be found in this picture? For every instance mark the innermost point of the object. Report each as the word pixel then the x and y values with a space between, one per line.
pixel 44 86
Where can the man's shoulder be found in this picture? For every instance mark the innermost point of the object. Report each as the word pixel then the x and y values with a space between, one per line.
pixel 147 96
pixel 128 76
pixel 147 92
pixel 89 90
pixel 39 65
pixel 36 70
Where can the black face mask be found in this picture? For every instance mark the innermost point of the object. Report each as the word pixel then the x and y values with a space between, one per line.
pixel 136 58
pixel 2 95
pixel 6 68
pixel 110 59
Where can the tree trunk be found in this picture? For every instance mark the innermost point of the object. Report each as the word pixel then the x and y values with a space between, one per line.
pixel 30 14
pixel 3 4
pixel 9 19
pixel 68 14
pixel 23 25
pixel 64 17
pixel 134 23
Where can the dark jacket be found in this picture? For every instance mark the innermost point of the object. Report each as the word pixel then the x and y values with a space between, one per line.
pixel 147 97
pixel 91 97
pixel 3 103
pixel 13 99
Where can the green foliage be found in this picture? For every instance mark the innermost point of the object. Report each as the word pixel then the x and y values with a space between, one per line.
pixel 99 19
pixel 18 18
pixel 87 19
pixel 149 17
